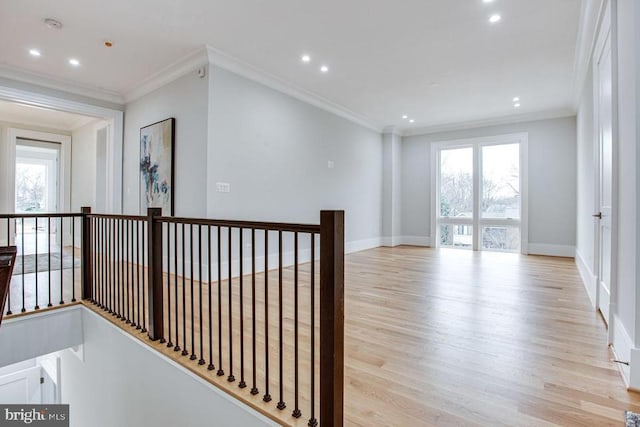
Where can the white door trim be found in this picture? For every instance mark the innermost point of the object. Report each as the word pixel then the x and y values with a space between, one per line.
pixel 523 139
pixel 114 143
pixel 64 169
pixel 606 30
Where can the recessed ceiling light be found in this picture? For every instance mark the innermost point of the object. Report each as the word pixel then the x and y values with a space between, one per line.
pixel 517 105
pixel 306 58
pixel 405 117
pixel 516 99
pixel 74 62
pixel 487 1
pixel 324 69
pixel 495 18
pixel 34 52
pixel 411 121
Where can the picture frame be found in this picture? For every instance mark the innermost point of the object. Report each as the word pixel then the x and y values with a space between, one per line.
pixel 157 153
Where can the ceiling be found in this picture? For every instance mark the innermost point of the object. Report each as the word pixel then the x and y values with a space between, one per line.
pixel 437 61
pixel 41 117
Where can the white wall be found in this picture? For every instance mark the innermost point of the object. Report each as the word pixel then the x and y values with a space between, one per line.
pixel 185 99
pixel 38 334
pixel 627 295
pixel 83 166
pixel 586 167
pixel 273 150
pixel 552 180
pixel 122 382
pixel 391 188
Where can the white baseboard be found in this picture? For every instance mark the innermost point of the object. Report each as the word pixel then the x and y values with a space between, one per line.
pixel 589 280
pixel 622 347
pixel 552 250
pixel 361 245
pixel 416 240
pixel 406 240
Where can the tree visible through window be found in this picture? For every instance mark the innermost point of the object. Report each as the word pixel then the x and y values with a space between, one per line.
pixel 31 187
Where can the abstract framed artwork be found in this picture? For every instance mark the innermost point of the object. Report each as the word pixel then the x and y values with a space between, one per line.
pixel 156 166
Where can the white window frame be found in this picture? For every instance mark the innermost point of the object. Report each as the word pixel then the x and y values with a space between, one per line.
pixel 477 221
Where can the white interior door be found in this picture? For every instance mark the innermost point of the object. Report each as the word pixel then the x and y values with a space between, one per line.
pixel 21 387
pixel 604 120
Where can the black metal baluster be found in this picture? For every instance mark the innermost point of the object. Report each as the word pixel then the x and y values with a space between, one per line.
pixel 22 249
pixel 100 259
pixel 94 239
pixel 61 260
pixel 242 383
pixel 267 396
pixel 49 256
pixel 135 280
pixel 175 281
pixel 108 222
pixel 123 262
pixel 120 270
pixel 169 343
pixel 112 267
pixel 281 405
pixel 73 259
pixel 116 272
pixel 9 244
pixel 184 298
pixel 193 332
pixel 96 261
pixel 144 278
pixel 109 283
pixel 37 307
pixel 220 370
pixel 211 366
pixel 313 421
pixel 105 261
pixel 296 411
pixel 254 388
pixel 230 378
pixel 128 270
pixel 140 274
pixel 201 361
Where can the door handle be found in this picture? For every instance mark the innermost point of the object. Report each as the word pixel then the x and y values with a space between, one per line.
pixel 598 215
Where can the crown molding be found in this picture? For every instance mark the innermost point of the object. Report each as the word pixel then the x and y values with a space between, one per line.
pixel 503 120
pixel 248 71
pixel 39 79
pixel 393 130
pixel 590 12
pixel 188 63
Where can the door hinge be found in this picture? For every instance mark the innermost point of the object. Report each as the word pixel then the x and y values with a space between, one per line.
pixel 41 380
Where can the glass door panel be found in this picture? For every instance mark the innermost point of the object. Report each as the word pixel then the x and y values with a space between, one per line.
pixel 456 183
pixel 501 181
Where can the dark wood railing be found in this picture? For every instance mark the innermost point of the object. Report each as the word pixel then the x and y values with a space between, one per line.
pixel 241 297
pixel 47 271
pixel 7 260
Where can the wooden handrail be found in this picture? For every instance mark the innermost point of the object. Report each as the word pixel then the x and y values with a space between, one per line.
pixel 7 260
pixel 272 226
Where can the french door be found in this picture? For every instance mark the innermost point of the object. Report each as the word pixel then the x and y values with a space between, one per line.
pixel 479 194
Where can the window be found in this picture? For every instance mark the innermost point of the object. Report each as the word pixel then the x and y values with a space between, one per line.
pixel 480 201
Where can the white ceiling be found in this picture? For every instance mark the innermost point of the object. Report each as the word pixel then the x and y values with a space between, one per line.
pixel 41 117
pixel 439 61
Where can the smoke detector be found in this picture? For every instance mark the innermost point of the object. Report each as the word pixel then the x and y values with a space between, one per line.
pixel 54 24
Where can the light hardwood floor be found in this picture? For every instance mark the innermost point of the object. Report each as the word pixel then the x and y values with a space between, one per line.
pixel 446 337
